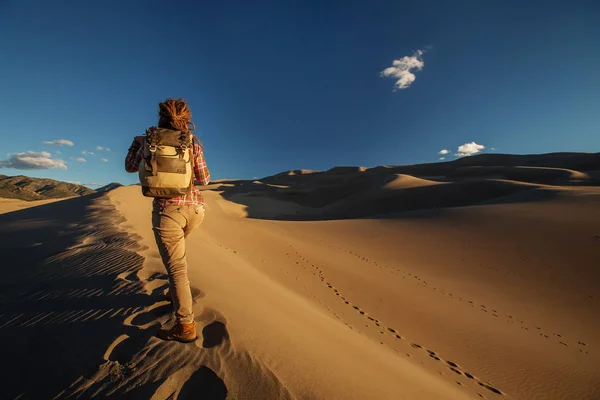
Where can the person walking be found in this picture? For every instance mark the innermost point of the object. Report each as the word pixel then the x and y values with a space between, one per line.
pixel 167 159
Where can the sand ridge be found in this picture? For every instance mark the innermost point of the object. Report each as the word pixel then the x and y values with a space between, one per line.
pixel 237 345
pixel 420 282
pixel 10 205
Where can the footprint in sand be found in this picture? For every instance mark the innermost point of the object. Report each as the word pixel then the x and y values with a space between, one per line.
pixel 109 351
pixel 489 387
pixel 124 347
pixel 153 315
pixel 452 366
pixel 214 334
pixel 206 382
pixel 215 331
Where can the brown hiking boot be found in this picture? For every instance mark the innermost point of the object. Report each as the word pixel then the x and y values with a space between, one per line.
pixel 184 333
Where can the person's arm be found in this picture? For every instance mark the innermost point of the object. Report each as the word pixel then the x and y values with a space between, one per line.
pixel 200 168
pixel 134 155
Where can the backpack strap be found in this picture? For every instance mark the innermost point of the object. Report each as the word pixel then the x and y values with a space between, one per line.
pixel 184 143
pixel 192 167
pixel 152 143
pixel 183 147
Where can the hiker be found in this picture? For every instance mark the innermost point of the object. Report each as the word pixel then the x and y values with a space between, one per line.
pixel 172 157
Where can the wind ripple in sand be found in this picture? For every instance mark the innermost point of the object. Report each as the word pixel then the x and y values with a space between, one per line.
pixel 60 297
pixel 138 365
pixel 142 366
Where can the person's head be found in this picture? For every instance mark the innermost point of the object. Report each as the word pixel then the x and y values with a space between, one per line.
pixel 175 114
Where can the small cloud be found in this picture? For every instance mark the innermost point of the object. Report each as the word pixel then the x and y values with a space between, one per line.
pixel 443 152
pixel 468 149
pixel 493 149
pixel 99 148
pixel 81 160
pixel 107 149
pixel 401 69
pixel 31 160
pixel 442 158
pixel 104 159
pixel 86 153
pixel 74 182
pixel 60 142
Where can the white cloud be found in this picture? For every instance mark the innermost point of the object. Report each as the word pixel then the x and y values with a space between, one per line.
pixel 82 160
pixel 442 158
pixel 468 149
pixel 74 182
pixel 60 142
pixel 85 153
pixel 107 149
pixel 99 148
pixel 443 152
pixel 401 69
pixel 32 160
pixel 104 160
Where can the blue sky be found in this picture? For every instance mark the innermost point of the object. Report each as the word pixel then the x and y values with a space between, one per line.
pixel 279 85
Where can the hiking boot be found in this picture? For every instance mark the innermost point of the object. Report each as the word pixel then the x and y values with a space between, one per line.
pixel 184 333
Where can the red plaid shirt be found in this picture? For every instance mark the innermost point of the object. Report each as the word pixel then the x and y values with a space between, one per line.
pixel 194 197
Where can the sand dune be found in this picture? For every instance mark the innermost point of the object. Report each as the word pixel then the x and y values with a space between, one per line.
pixel 446 287
pixel 10 205
pixel 351 192
pixel 345 170
pixel 401 181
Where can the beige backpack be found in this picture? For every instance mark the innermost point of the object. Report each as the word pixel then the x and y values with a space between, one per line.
pixel 167 168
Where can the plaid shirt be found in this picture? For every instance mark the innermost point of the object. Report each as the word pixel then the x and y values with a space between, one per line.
pixel 194 197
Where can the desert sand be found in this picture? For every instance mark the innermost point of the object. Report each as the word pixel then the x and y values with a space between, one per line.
pixel 384 283
pixel 10 205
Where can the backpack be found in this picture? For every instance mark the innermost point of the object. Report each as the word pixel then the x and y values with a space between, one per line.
pixel 167 168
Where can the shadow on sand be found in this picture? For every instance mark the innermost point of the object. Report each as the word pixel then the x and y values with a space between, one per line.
pixel 68 284
pixel 394 191
pixel 375 201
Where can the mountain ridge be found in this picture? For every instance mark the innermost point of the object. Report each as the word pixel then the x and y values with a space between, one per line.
pixel 27 188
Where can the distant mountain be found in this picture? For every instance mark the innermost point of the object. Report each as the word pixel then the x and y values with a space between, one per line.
pixel 26 188
pixel 109 187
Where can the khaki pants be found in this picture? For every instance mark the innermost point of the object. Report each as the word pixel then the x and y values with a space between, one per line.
pixel 171 226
